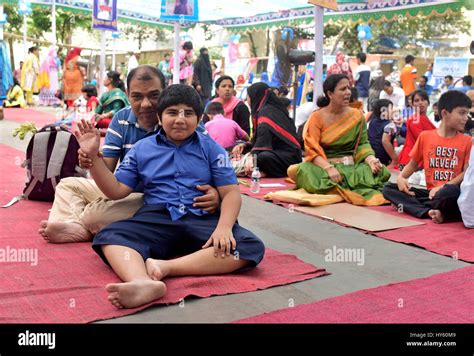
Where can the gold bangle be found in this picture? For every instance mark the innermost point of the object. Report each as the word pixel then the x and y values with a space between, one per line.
pixel 328 166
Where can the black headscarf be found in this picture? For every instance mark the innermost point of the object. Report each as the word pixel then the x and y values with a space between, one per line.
pixel 267 109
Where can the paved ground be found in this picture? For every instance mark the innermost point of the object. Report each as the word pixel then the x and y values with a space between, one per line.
pixel 308 238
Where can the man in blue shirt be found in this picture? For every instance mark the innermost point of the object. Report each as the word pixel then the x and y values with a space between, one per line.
pixel 80 209
pixel 170 165
pixel 423 85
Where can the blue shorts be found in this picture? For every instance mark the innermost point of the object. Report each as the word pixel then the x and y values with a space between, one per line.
pixel 152 233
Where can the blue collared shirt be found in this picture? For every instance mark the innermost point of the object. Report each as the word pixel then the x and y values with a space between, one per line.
pixel 124 131
pixel 170 173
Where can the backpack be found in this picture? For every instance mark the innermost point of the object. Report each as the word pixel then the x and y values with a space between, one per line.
pixel 51 155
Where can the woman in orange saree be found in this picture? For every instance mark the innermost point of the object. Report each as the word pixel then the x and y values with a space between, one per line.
pixel 338 156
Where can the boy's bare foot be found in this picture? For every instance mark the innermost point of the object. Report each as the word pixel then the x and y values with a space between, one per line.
pixel 156 269
pixel 57 233
pixel 135 293
pixel 436 216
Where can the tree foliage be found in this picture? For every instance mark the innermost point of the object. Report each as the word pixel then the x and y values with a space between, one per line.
pixel 141 34
pixel 407 31
pixel 40 22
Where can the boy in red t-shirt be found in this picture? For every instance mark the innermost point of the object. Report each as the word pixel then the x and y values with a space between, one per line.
pixel 444 154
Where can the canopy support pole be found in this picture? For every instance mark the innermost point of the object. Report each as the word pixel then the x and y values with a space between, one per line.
pixel 318 48
pixel 25 49
pixel 177 30
pixel 54 23
pixel 102 63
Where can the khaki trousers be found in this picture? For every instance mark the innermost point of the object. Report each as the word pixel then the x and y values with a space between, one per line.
pixel 79 200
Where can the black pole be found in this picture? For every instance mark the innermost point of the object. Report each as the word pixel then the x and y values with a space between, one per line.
pixel 295 92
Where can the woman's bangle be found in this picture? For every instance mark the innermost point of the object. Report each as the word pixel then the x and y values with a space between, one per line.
pixel 328 166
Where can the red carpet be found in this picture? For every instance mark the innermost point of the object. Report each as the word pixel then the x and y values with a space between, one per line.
pixel 46 283
pixel 448 239
pixel 23 115
pixel 245 186
pixel 443 298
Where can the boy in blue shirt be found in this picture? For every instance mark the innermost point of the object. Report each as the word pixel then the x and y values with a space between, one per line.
pixel 170 164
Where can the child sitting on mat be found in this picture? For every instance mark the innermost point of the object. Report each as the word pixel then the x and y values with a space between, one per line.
pixel 444 153
pixel 142 250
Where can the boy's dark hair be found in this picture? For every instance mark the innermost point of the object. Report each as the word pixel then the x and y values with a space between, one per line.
pixel 425 78
pixel 378 105
pixel 467 79
pixel 409 59
pixel 146 72
pixel 89 90
pixel 362 57
pixel 421 93
pixel 188 45
pixel 387 83
pixel 453 99
pixel 179 94
pixel 214 108
pixel 450 77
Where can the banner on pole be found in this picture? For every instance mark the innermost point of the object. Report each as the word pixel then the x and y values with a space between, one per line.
pixel 183 10
pixel 328 4
pixel 104 16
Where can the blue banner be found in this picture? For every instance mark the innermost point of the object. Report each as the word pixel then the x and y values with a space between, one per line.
pixel 454 66
pixel 104 16
pixel 182 10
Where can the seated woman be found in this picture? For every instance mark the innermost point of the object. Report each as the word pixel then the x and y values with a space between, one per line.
pixel 416 124
pixel 234 108
pixel 15 96
pixel 275 143
pixel 111 101
pixel 339 159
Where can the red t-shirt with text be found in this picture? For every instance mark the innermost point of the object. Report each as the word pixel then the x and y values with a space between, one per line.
pixel 443 158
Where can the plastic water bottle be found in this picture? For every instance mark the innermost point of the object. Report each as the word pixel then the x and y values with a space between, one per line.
pixel 255 186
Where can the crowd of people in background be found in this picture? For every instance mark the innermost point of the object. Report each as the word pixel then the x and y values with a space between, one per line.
pixel 365 121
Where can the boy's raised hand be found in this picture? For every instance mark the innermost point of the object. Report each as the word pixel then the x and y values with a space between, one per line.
pixel 88 138
pixel 403 185
pixel 222 239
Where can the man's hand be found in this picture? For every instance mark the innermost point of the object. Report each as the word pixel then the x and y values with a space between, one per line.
pixel 84 160
pixel 209 201
pixel 88 138
pixel 222 240
pixel 403 185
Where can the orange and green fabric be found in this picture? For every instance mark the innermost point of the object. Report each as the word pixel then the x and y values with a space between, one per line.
pixel 358 186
